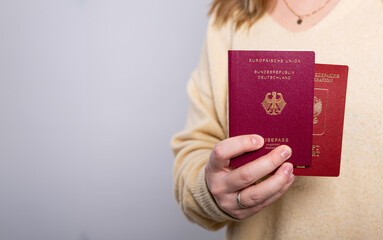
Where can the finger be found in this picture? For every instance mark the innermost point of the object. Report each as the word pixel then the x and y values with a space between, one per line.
pixel 259 193
pixel 232 147
pixel 251 172
pixel 278 194
pixel 244 213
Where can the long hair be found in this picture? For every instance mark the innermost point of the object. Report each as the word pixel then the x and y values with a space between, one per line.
pixel 241 12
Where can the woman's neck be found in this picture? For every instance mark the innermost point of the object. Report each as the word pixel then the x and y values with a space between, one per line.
pixel 300 15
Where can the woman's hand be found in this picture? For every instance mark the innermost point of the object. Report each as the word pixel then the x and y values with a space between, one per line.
pixel 226 183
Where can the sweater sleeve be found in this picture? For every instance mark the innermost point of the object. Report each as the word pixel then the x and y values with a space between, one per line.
pixel 206 126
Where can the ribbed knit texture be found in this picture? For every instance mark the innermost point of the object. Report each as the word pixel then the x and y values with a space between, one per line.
pixel 347 207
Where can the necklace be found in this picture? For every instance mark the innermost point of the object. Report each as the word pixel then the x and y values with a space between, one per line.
pixel 303 16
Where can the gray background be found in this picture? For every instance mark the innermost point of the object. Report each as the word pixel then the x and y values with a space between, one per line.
pixel 91 92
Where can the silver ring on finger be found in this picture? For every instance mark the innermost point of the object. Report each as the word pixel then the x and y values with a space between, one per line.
pixel 239 201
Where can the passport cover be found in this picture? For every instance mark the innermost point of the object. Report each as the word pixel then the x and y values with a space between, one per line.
pixel 271 94
pixel 330 84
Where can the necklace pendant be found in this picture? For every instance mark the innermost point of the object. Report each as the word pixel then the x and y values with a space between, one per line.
pixel 299 21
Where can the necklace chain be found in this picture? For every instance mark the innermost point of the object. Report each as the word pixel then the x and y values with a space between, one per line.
pixel 303 16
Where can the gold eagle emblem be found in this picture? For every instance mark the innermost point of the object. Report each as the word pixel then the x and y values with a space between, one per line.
pixel 317 109
pixel 273 105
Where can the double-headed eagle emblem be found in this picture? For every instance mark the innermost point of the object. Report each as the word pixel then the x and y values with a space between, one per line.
pixel 317 109
pixel 273 105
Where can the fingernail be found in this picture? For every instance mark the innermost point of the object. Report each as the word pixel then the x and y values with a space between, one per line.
pixel 288 170
pixel 291 178
pixel 286 153
pixel 254 140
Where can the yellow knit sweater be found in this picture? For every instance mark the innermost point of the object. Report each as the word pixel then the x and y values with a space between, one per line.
pixel 347 207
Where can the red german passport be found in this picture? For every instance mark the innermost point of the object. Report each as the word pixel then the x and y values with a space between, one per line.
pixel 271 94
pixel 330 84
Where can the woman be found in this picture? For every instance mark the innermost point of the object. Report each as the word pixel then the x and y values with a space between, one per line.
pixel 283 206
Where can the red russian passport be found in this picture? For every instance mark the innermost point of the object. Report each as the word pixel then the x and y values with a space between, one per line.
pixel 271 94
pixel 330 84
